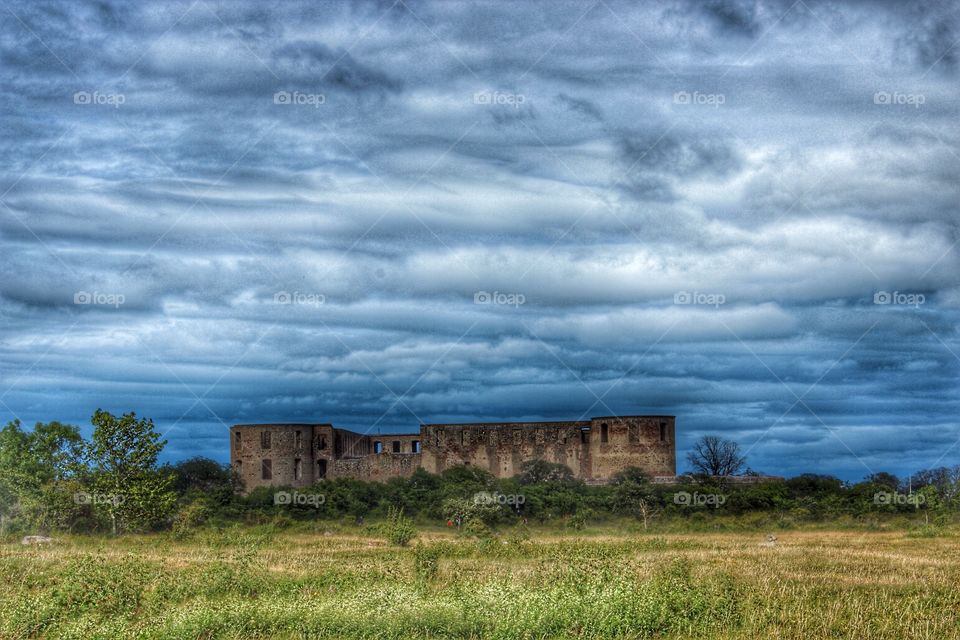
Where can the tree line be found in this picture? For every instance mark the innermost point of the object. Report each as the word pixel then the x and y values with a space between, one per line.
pixel 51 479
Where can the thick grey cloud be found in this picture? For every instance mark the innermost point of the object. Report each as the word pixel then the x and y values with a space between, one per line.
pixel 286 212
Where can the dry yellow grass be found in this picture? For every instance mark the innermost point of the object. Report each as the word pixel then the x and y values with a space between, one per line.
pixel 248 583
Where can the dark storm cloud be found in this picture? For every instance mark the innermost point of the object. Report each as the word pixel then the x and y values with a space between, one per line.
pixel 724 210
pixel 931 39
pixel 651 162
pixel 579 105
pixel 733 16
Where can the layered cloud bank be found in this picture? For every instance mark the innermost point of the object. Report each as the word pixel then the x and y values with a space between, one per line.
pixel 377 213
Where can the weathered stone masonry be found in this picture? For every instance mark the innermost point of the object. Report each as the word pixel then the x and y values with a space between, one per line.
pixel 300 454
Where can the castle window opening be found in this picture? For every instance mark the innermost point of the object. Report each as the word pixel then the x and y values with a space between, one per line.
pixel 236 437
pixel 416 446
pixel 266 469
pixel 238 465
pixel 321 469
pixel 323 443
pixel 264 439
pixel 604 432
pixel 585 435
pixel 297 469
pixel 298 440
pixel 396 446
pixel 377 446
pixel 663 432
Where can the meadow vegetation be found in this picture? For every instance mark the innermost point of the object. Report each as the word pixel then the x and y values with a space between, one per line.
pixel 143 550
pixel 330 580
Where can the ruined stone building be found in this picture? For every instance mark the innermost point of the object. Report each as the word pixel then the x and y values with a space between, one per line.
pixel 300 454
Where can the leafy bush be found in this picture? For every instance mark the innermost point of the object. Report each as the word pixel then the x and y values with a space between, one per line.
pixel 477 528
pixel 577 521
pixel 189 517
pixel 399 529
pixel 426 562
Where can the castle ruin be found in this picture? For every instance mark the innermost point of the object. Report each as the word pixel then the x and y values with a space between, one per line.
pixel 299 455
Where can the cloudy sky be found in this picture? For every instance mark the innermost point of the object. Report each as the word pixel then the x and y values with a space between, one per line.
pixel 380 213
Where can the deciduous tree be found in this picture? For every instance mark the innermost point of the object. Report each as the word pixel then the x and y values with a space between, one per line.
pixel 123 453
pixel 715 456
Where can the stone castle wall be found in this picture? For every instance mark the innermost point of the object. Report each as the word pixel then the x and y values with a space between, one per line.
pixel 382 466
pixel 299 455
pixel 286 455
pixel 595 449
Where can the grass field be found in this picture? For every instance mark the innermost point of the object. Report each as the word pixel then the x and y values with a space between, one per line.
pixel 257 583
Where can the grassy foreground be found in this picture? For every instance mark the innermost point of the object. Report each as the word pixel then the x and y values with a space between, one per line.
pixel 256 583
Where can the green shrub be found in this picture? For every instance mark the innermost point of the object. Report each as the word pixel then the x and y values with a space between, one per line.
pixel 426 562
pixel 519 535
pixel 189 518
pixel 399 529
pixel 926 531
pixel 577 521
pixel 477 528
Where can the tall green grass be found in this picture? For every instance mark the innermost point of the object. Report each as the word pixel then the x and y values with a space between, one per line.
pixel 255 583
